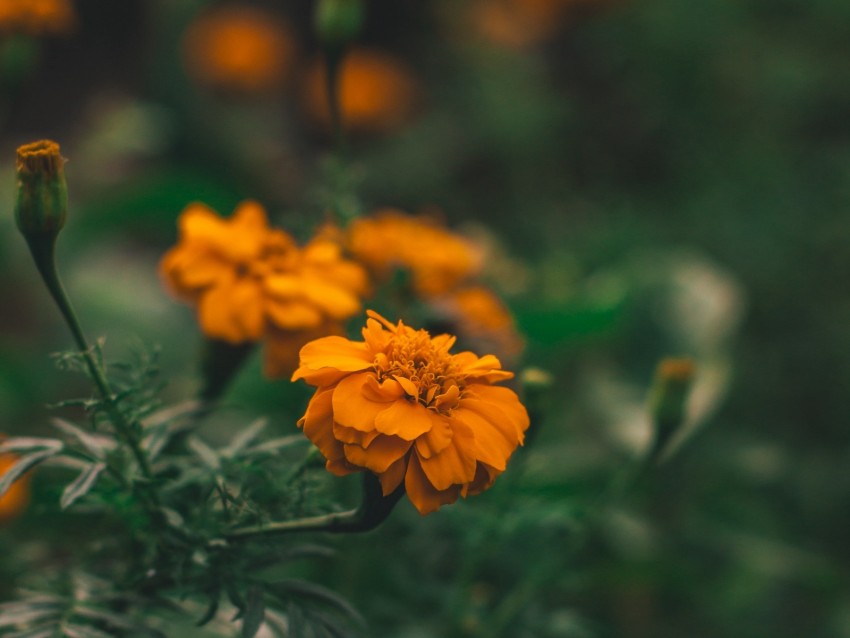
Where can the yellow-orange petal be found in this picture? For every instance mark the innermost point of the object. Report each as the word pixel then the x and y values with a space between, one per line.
pixel 405 419
pixel 492 400
pixel 232 312
pixel 334 300
pixel 485 475
pixel 332 352
pixel 375 336
pixel 380 455
pixel 437 438
pixel 499 416
pixel 382 391
pixel 424 496
pixel 486 368
pixel 284 286
pixel 494 442
pixel 345 434
pixel 200 224
pixel 292 315
pixel 188 269
pixel 317 423
pixel 455 464
pixel 351 407
pixel 393 477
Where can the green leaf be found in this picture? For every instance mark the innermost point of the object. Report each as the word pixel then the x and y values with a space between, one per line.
pixel 84 631
pixel 24 463
pixel 291 587
pixel 255 612
pixel 27 443
pixel 96 445
pixel 275 445
pixel 81 485
pixel 204 452
pixel 23 613
pixel 244 438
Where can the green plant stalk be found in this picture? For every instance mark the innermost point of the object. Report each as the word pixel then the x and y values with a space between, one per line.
pixel 42 248
pixel 373 510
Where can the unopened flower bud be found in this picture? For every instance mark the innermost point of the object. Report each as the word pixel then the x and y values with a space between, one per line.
pixel 338 22
pixel 673 380
pixel 42 200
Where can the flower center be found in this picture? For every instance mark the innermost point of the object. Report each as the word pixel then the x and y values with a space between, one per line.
pixel 425 370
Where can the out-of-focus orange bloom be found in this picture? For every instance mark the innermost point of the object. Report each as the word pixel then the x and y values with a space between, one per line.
pixel 522 23
pixel 16 499
pixel 399 404
pixel 482 319
pixel 437 259
pixel 36 17
pixel 240 49
pixel 377 92
pixel 249 281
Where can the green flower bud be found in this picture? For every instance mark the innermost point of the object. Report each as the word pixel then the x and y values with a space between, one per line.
pixel 338 22
pixel 42 201
pixel 668 399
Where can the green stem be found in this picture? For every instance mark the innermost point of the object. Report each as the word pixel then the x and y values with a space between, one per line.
pixel 42 249
pixel 374 510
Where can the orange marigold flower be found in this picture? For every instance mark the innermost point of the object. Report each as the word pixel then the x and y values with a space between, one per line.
pixel 16 499
pixel 250 281
pixel 239 48
pixel 36 17
pixel 437 258
pixel 377 92
pixel 482 319
pixel 401 405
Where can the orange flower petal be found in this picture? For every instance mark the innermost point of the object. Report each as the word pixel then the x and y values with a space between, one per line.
pixel 332 299
pixel 380 455
pixel 486 368
pixel 354 437
pixel 232 312
pixel 288 315
pixel 424 496
pixel 317 423
pixel 494 442
pixel 454 464
pixel 332 352
pixel 382 392
pixel 437 438
pixel 494 401
pixel 405 419
pixel 393 477
pixel 351 407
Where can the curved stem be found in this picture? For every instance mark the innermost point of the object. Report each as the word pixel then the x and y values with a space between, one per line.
pixel 42 249
pixel 373 510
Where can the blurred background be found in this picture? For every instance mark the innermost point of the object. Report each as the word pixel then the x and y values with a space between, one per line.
pixel 649 178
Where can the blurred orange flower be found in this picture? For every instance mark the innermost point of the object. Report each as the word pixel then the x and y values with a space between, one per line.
pixel 36 17
pixel 16 499
pixel 249 281
pixel 437 258
pixel 239 48
pixel 377 92
pixel 482 319
pixel 402 406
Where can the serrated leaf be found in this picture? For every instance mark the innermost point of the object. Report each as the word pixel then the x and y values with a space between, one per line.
pixel 255 612
pixel 105 616
pixel 96 445
pixel 275 445
pixel 81 485
pixel 204 452
pixel 244 438
pixel 22 613
pixel 27 443
pixel 24 463
pixel 297 623
pixel 44 631
pixel 84 631
pixel 294 587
